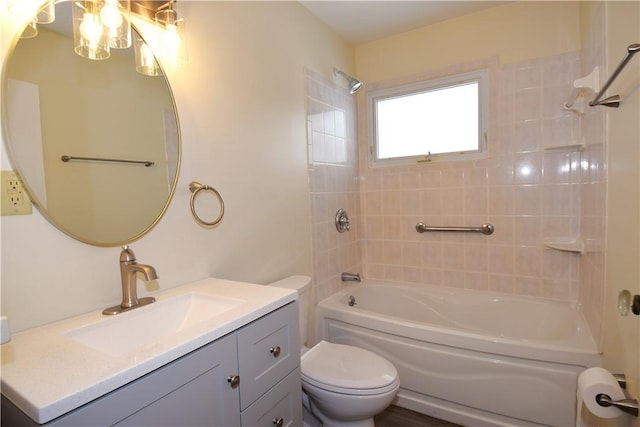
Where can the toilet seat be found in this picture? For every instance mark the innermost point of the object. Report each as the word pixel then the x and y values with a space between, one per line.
pixel 347 370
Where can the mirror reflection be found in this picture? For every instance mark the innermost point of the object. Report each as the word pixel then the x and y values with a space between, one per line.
pixel 59 104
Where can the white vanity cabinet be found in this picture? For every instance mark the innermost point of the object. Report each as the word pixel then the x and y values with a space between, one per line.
pixel 202 387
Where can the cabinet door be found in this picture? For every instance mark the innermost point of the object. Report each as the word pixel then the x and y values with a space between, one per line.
pixel 189 391
pixel 280 406
pixel 268 350
pixel 206 400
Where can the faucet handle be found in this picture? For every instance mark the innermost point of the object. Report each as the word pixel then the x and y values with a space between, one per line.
pixel 127 254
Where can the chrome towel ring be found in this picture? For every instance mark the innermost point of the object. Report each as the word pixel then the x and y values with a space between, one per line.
pixel 196 188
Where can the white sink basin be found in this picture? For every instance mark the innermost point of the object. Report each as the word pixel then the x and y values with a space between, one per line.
pixel 145 326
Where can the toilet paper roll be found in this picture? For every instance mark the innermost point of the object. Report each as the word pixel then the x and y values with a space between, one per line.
pixel 595 381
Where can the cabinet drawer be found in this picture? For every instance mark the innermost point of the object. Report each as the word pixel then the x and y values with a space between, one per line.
pixel 268 350
pixel 284 401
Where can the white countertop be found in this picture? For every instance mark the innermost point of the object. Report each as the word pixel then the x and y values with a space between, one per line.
pixel 47 374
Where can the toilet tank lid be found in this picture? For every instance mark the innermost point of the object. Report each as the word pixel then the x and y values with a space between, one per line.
pixel 299 283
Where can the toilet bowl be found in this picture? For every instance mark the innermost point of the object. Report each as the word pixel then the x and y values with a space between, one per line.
pixel 345 385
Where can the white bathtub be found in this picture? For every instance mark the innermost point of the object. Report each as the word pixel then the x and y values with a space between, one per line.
pixel 475 358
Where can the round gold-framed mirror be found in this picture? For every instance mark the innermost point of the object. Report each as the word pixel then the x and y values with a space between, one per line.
pixel 96 144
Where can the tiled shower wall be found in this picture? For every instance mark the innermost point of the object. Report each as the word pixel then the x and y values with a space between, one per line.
pixel 594 182
pixel 529 189
pixel 545 180
pixel 333 182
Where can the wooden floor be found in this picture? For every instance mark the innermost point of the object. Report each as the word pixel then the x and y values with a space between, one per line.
pixel 395 416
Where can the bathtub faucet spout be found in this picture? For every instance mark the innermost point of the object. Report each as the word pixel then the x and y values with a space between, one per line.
pixel 350 277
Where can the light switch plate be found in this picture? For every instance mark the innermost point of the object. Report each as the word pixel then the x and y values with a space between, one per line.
pixel 14 200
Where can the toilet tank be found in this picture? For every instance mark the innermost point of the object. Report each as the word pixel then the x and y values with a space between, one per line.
pixel 302 284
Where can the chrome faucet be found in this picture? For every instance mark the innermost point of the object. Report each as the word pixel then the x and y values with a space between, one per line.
pixel 350 277
pixel 129 268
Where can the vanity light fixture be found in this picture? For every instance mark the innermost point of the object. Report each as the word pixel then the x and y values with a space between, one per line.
pixel 47 12
pixel 102 25
pixel 30 31
pixel 22 11
pixel 46 15
pixel 172 39
pixel 114 15
pixel 145 60
pixel 90 38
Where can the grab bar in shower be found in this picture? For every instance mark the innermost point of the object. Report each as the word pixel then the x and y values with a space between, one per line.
pixel 146 163
pixel 484 228
pixel 614 101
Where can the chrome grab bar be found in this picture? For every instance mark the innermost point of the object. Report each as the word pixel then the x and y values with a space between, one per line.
pixel 614 101
pixel 484 228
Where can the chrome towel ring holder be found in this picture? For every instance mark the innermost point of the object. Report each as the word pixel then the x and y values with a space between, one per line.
pixel 196 188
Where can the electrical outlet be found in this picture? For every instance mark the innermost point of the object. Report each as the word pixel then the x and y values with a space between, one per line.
pixel 14 199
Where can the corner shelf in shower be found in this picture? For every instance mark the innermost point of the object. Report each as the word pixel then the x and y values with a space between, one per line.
pixel 583 88
pixel 577 245
pixel 565 244
pixel 576 145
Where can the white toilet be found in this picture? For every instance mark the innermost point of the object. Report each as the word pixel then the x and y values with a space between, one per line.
pixel 346 385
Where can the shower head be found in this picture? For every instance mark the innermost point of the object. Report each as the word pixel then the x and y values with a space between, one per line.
pixel 354 84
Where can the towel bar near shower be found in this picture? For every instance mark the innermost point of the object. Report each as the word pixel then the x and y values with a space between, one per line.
pixel 484 228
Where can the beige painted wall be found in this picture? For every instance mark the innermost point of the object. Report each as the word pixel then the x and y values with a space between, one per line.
pixel 241 103
pixel 621 335
pixel 535 29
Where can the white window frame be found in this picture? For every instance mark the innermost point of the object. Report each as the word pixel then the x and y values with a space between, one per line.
pixel 479 76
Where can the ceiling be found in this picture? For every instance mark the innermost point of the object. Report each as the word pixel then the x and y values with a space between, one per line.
pixel 357 21
pixel 365 21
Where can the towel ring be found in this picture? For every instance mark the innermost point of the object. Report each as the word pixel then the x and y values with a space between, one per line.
pixel 196 188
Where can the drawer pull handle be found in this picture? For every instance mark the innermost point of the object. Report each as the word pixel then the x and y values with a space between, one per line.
pixel 233 380
pixel 278 422
pixel 275 351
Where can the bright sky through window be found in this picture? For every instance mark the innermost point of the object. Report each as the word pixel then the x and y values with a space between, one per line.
pixel 441 120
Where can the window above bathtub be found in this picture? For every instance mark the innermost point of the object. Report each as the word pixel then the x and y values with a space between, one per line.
pixel 441 119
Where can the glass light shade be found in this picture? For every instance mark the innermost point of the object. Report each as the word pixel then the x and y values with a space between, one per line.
pixel 47 13
pixel 145 60
pixel 24 12
pixel 172 41
pixel 30 31
pixel 90 37
pixel 115 16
